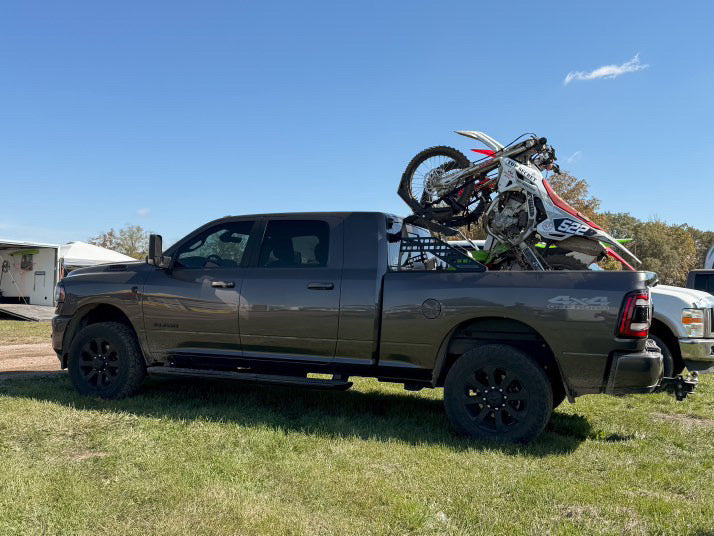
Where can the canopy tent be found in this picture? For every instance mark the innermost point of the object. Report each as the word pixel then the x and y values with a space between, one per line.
pixel 83 254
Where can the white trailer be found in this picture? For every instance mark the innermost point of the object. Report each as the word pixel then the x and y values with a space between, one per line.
pixel 28 273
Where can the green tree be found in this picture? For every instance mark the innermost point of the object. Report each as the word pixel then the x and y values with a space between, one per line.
pixel 669 250
pixel 703 241
pixel 109 240
pixel 132 240
pixel 620 224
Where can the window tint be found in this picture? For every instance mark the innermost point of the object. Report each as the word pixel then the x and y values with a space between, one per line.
pixel 295 243
pixel 221 246
pixel 704 282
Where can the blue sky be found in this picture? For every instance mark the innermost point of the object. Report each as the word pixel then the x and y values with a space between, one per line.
pixel 169 114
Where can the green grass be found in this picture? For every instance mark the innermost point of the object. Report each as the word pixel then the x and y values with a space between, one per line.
pixel 219 458
pixel 20 332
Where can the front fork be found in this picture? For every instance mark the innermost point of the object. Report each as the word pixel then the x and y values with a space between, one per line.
pixel 530 258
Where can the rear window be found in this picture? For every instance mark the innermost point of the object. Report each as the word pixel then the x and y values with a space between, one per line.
pixel 401 262
pixel 704 282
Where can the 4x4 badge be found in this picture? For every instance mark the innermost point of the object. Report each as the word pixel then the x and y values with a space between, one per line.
pixel 597 303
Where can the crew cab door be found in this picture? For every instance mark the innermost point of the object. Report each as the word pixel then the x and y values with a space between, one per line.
pixel 191 308
pixel 290 299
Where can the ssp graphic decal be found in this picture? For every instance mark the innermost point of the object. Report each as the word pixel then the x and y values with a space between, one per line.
pixel 568 226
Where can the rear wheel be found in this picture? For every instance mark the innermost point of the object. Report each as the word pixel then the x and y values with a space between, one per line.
pixel 496 392
pixel 425 175
pixel 105 360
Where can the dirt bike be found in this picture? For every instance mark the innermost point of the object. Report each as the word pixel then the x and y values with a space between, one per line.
pixel 528 226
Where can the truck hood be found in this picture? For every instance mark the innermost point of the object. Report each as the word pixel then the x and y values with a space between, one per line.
pixel 687 296
pixel 135 266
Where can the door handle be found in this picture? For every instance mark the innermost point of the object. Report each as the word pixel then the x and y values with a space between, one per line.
pixel 223 284
pixel 320 286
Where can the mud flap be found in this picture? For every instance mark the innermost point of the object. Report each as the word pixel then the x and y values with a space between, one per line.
pixel 679 386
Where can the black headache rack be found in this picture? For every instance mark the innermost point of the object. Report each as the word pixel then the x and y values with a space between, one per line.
pixel 418 248
pixel 430 253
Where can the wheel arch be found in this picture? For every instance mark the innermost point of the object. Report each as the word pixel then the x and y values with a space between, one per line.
pixel 498 330
pixel 93 313
pixel 662 330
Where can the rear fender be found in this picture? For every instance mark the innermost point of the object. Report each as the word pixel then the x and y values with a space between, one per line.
pixel 617 247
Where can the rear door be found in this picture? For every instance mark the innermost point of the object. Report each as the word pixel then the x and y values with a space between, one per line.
pixel 191 308
pixel 290 298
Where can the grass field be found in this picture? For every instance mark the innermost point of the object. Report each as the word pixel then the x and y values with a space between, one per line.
pixel 19 332
pixel 219 458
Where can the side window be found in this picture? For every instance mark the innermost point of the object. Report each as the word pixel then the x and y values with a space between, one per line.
pixel 221 246
pixel 295 243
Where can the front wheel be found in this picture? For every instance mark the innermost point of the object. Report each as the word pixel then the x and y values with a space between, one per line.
pixel 496 392
pixel 426 177
pixel 105 360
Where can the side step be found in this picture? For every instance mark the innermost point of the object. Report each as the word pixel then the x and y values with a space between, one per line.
pixel 336 383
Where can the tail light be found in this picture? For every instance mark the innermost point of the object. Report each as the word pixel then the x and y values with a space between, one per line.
pixel 636 315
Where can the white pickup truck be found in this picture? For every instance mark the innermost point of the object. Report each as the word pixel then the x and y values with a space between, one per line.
pixel 683 327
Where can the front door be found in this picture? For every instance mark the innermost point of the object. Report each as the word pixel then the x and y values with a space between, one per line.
pixel 290 299
pixel 191 309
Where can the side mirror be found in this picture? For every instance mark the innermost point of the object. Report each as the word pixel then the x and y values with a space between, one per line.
pixel 156 252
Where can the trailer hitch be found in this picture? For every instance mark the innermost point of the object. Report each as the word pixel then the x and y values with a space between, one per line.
pixel 679 386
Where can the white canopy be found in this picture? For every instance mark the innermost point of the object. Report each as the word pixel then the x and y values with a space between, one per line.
pixel 83 254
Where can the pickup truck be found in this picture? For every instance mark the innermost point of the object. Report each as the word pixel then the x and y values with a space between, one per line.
pixel 683 328
pixel 279 298
pixel 701 280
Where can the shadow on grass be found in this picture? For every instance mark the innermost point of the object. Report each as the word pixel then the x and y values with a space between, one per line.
pixel 370 416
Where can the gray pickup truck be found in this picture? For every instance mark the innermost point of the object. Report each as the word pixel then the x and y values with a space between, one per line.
pixel 278 298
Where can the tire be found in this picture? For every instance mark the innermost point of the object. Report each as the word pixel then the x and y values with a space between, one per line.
pixel 457 161
pixel 497 375
pixel 105 360
pixel 564 262
pixel 671 367
pixel 558 396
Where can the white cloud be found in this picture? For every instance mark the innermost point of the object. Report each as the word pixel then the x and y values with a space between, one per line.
pixel 607 71
pixel 143 212
pixel 574 157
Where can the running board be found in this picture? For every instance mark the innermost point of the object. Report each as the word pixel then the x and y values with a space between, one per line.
pixel 315 383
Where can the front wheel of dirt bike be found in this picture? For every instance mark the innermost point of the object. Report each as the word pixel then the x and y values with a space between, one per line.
pixel 421 178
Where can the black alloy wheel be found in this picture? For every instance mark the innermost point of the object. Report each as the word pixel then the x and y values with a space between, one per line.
pixel 105 360
pixel 497 392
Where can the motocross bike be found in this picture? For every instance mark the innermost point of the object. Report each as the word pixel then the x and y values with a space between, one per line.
pixel 505 191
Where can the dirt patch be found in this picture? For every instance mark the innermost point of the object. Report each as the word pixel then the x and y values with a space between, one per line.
pixel 686 420
pixel 86 455
pixel 27 359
